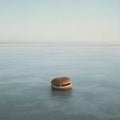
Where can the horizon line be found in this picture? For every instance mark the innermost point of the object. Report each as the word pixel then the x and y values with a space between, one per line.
pixel 65 43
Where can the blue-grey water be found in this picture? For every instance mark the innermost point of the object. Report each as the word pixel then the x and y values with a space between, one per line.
pixel 26 72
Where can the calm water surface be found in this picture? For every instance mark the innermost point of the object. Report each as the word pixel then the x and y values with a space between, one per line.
pixel 26 72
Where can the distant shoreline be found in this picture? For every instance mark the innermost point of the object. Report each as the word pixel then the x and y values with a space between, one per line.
pixel 59 44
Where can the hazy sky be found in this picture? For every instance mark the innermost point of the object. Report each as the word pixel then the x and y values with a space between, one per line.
pixel 33 21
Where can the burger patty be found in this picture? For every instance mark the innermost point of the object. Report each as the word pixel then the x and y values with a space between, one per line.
pixel 63 85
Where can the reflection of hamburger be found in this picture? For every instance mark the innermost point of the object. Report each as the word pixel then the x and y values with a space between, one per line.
pixel 61 83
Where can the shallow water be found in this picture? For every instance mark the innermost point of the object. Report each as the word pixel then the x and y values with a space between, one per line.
pixel 26 72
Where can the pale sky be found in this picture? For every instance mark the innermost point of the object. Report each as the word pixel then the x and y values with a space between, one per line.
pixel 35 21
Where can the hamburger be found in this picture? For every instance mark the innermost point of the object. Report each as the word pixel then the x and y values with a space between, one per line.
pixel 61 83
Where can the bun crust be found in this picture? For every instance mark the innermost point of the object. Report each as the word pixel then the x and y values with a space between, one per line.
pixel 61 80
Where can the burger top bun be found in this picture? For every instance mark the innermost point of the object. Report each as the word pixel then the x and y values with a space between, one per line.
pixel 61 80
